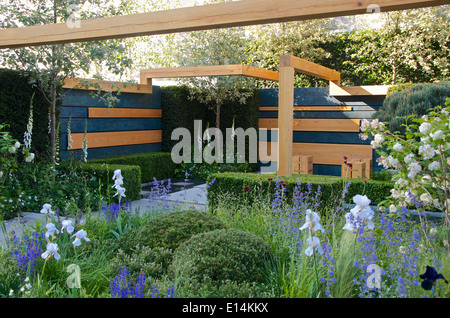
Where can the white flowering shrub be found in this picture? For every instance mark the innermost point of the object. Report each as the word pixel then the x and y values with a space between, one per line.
pixel 421 158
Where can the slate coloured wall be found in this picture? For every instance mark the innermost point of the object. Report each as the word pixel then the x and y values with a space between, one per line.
pixel 132 126
pixel 326 127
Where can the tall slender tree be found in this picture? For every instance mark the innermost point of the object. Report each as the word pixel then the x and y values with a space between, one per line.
pixel 49 66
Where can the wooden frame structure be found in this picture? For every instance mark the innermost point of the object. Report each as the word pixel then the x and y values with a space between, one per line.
pixel 286 125
pixel 146 76
pixel 109 86
pixel 212 16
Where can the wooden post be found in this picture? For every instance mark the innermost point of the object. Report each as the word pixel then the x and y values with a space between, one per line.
pixel 285 121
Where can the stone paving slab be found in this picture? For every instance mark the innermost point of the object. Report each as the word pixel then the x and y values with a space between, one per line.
pixel 190 198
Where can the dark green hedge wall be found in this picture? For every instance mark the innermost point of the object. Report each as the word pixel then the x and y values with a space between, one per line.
pixel 179 111
pixel 15 97
pixel 157 165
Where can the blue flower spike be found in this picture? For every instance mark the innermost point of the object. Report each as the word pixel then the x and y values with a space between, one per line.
pixel 430 277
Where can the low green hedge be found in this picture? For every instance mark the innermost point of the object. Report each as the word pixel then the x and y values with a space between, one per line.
pixel 157 165
pixel 331 187
pixel 259 186
pixel 104 172
pixel 375 190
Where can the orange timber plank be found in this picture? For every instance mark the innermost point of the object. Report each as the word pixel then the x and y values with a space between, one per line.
pixel 104 112
pixel 309 108
pixel 314 124
pixel 116 138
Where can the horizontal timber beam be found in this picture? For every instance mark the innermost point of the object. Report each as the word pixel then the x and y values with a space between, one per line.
pixel 310 68
pixel 116 138
pixel 369 90
pixel 211 16
pixel 104 112
pixel 309 108
pixel 108 86
pixel 317 124
pixel 208 70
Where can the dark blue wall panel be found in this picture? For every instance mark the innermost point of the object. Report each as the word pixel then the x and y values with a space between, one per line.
pixel 319 96
pixel 110 124
pixel 76 104
pixel 77 97
pixel 95 153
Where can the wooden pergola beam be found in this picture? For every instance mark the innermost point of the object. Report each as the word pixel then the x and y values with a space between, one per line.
pixel 146 76
pixel 310 68
pixel 212 16
pixel 108 86
pixel 365 90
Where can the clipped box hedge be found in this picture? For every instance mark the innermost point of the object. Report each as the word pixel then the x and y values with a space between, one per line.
pixel 157 165
pixel 104 172
pixel 235 185
pixel 331 187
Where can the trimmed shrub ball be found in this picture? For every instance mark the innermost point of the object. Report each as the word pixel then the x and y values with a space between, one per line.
pixel 221 255
pixel 171 229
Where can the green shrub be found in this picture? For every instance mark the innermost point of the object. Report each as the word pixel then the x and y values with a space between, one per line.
pixel 260 186
pixel 153 262
pixel 381 175
pixel 157 165
pixel 104 173
pixel 263 186
pixel 225 289
pixel 376 190
pixel 171 229
pixel 221 255
pixel 8 275
pixel 413 100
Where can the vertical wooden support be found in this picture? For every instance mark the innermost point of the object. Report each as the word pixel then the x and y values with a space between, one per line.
pixel 285 121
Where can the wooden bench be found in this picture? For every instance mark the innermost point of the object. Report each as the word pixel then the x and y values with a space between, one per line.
pixel 356 168
pixel 302 164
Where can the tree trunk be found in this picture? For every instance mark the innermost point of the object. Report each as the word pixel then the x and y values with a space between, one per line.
pixel 53 124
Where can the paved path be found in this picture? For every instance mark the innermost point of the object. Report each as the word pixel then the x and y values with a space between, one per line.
pixel 189 198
